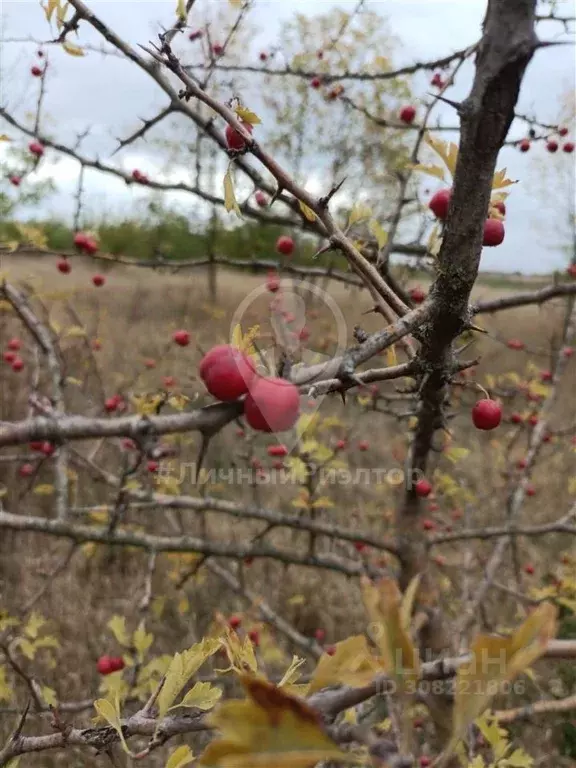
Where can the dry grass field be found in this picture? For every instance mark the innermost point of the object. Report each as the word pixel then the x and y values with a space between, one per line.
pixel 133 316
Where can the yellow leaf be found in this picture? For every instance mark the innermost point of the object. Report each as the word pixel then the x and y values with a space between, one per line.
pixel 142 640
pixel 202 696
pixel 383 603
pixel 500 181
pixel 407 605
pixel 181 669
pixel 73 50
pixel 14 763
pixel 308 212
pixel 181 10
pixel 448 152
pixel 6 693
pixel 49 695
pixel 72 380
pixel 229 197
pixel 117 625
pixel 240 652
pixel 33 625
pixel 5 306
pixel 111 713
pixel 456 454
pixel 269 728
pixel 322 503
pixel 180 757
pixel 74 331
pixel 45 489
pixel 495 661
pixel 235 3
pixel 377 231
pixel 50 7
pixel 391 358
pixel 358 213
pixel 247 115
pixel 431 170
pixel 4 137
pixel 296 600
pixel 292 674
pixel 351 664
pixel 178 402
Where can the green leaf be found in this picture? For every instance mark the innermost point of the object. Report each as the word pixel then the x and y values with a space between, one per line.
pixel 44 489
pixel 182 667
pixel 377 231
pixel 229 197
pixel 34 623
pixel 358 213
pixel 247 115
pixel 117 625
pixel 202 696
pixel 111 713
pixel 49 695
pixel 180 757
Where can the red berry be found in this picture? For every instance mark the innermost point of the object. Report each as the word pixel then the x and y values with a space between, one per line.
pixel 36 71
pixel 36 148
pixel 116 663
pixel 272 405
pixel 304 334
pixel 571 270
pixel 261 199
pixel 457 514
pixel 234 622
pixel 263 56
pixel 272 282
pixel 195 35
pixel 9 357
pixel 254 636
pixel 277 450
pixel 363 445
pixel 64 266
pixel 152 466
pixel 111 404
pixel 500 206
pixel 425 761
pixel 285 245
pixel 315 82
pixel 330 650
pixel 524 145
pixel 80 239
pixel 546 375
pixel 440 203
pixel 568 147
pixel 36 445
pixel 182 338
pixel 486 414
pixel 407 115
pixel 423 488
pixel 515 344
pixel 26 470
pixel 217 49
pixel 417 295
pixel 428 525
pixel 340 445
pixel 128 444
pixel 98 280
pixel 359 546
pixel 234 139
pixel 530 490
pixel 320 635
pixel 169 381
pixel 17 364
pixel 567 351
pixel 529 569
pixel 14 344
pixel 433 507
pixel 47 448
pixel 493 232
pixel 320 54
pixel 552 146
pixel 533 420
pixel 227 372
pixel 150 363
pixel 15 181
pixel 96 345
pixel 437 81
pixel 516 418
pixel 104 666
pixel 563 131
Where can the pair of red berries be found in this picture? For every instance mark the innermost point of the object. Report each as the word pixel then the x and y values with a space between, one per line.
pixel 108 664
pixel 85 243
pixel 494 231
pixel 271 404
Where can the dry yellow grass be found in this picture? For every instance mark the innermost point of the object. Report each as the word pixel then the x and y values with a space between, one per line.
pixel 134 316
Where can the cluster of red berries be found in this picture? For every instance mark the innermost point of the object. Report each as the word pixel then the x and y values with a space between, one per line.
pixel 271 404
pixel 493 227
pixel 11 356
pixel 552 145
pixel 85 243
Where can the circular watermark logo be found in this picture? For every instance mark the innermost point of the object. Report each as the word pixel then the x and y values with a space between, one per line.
pixel 299 332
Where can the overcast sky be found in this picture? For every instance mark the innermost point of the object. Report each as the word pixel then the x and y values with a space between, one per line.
pixel 105 94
